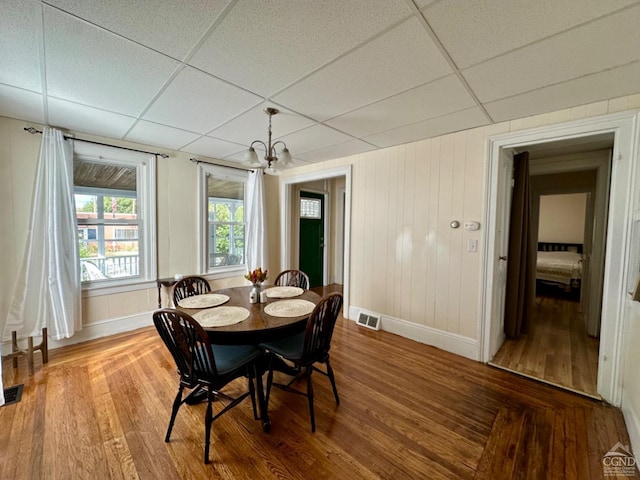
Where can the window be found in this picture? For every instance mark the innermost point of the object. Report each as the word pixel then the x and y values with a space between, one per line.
pixel 310 207
pixel 224 222
pixel 115 199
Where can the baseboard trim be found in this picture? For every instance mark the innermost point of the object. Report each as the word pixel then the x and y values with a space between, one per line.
pixel 450 342
pixel 92 331
pixel 632 421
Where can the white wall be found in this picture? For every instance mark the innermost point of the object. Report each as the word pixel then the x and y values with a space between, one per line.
pixel 106 313
pixel 406 262
pixel 410 266
pixel 562 218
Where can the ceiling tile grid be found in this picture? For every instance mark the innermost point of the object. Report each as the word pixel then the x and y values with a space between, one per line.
pixel 569 55
pixel 402 58
pixel 280 41
pixel 485 29
pixel 199 102
pixel 96 68
pixel 168 137
pixel 347 75
pixel 588 89
pixel 434 99
pixel 169 27
pixel 88 119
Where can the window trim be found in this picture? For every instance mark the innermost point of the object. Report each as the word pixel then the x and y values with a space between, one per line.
pixel 223 173
pixel 146 200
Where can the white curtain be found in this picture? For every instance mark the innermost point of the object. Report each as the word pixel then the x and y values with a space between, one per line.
pixel 47 291
pixel 256 222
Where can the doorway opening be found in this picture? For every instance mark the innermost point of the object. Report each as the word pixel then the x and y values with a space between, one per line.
pixel 322 236
pixel 569 189
pixel 616 248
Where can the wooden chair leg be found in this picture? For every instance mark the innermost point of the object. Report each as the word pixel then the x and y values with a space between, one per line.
pixel 15 351
pixel 30 355
pixel 31 348
pixel 332 379
pixel 310 398
pixel 44 346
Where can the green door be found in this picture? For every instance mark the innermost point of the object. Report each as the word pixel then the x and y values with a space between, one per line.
pixel 311 259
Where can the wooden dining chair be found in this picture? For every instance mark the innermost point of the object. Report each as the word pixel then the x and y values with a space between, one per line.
pixel 306 349
pixel 189 286
pixel 202 365
pixel 292 278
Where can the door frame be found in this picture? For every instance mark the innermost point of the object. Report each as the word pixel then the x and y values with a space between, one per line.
pixel 287 207
pixel 622 196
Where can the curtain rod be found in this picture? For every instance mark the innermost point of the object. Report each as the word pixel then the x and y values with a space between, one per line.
pixel 195 160
pixel 33 131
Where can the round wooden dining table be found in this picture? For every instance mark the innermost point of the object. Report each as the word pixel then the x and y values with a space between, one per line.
pixel 260 326
pixel 257 328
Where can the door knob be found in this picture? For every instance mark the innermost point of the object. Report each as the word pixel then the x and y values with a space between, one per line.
pixel 502 257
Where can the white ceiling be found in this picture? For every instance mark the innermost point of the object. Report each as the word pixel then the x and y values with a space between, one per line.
pixel 348 75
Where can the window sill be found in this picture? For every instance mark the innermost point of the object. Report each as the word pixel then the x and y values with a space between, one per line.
pixel 100 290
pixel 226 272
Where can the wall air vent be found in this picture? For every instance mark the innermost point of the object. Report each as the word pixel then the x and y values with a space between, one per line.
pixel 369 321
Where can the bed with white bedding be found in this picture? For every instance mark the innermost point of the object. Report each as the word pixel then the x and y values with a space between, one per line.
pixel 559 265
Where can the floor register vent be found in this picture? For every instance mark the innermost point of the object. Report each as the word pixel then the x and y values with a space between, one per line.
pixel 13 394
pixel 369 321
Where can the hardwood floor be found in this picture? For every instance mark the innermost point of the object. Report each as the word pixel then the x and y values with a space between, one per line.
pixel 556 350
pixel 100 410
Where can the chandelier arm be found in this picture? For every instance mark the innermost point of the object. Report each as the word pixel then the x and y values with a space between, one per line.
pixel 261 143
pixel 279 142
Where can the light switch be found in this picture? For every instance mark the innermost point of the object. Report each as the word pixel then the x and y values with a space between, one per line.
pixel 472 245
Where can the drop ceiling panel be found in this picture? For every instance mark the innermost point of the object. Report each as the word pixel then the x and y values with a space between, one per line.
pixel 199 102
pixel 484 29
pixel 340 70
pixel 402 58
pixel 469 118
pixel 169 27
pixel 278 42
pixel 19 38
pixel 87 119
pixel 435 99
pixel 340 150
pixel 22 104
pixel 312 138
pixel 213 147
pixel 600 86
pixel 253 125
pixel 89 66
pixel 573 54
pixel 168 137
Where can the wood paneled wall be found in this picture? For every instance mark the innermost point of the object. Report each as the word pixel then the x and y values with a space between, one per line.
pixel 406 261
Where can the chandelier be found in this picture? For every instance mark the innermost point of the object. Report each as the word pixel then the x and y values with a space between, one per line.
pixel 271 162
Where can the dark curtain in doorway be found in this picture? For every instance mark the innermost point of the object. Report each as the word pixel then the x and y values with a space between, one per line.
pixel 521 258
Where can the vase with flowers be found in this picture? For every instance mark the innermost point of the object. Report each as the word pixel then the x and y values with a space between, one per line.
pixel 256 277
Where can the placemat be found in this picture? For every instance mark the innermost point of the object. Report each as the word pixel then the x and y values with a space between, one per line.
pixel 205 300
pixel 221 316
pixel 284 292
pixel 289 308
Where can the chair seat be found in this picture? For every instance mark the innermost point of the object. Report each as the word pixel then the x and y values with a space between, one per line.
pixel 231 357
pixel 289 347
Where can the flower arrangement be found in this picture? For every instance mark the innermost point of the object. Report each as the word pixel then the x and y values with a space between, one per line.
pixel 257 276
